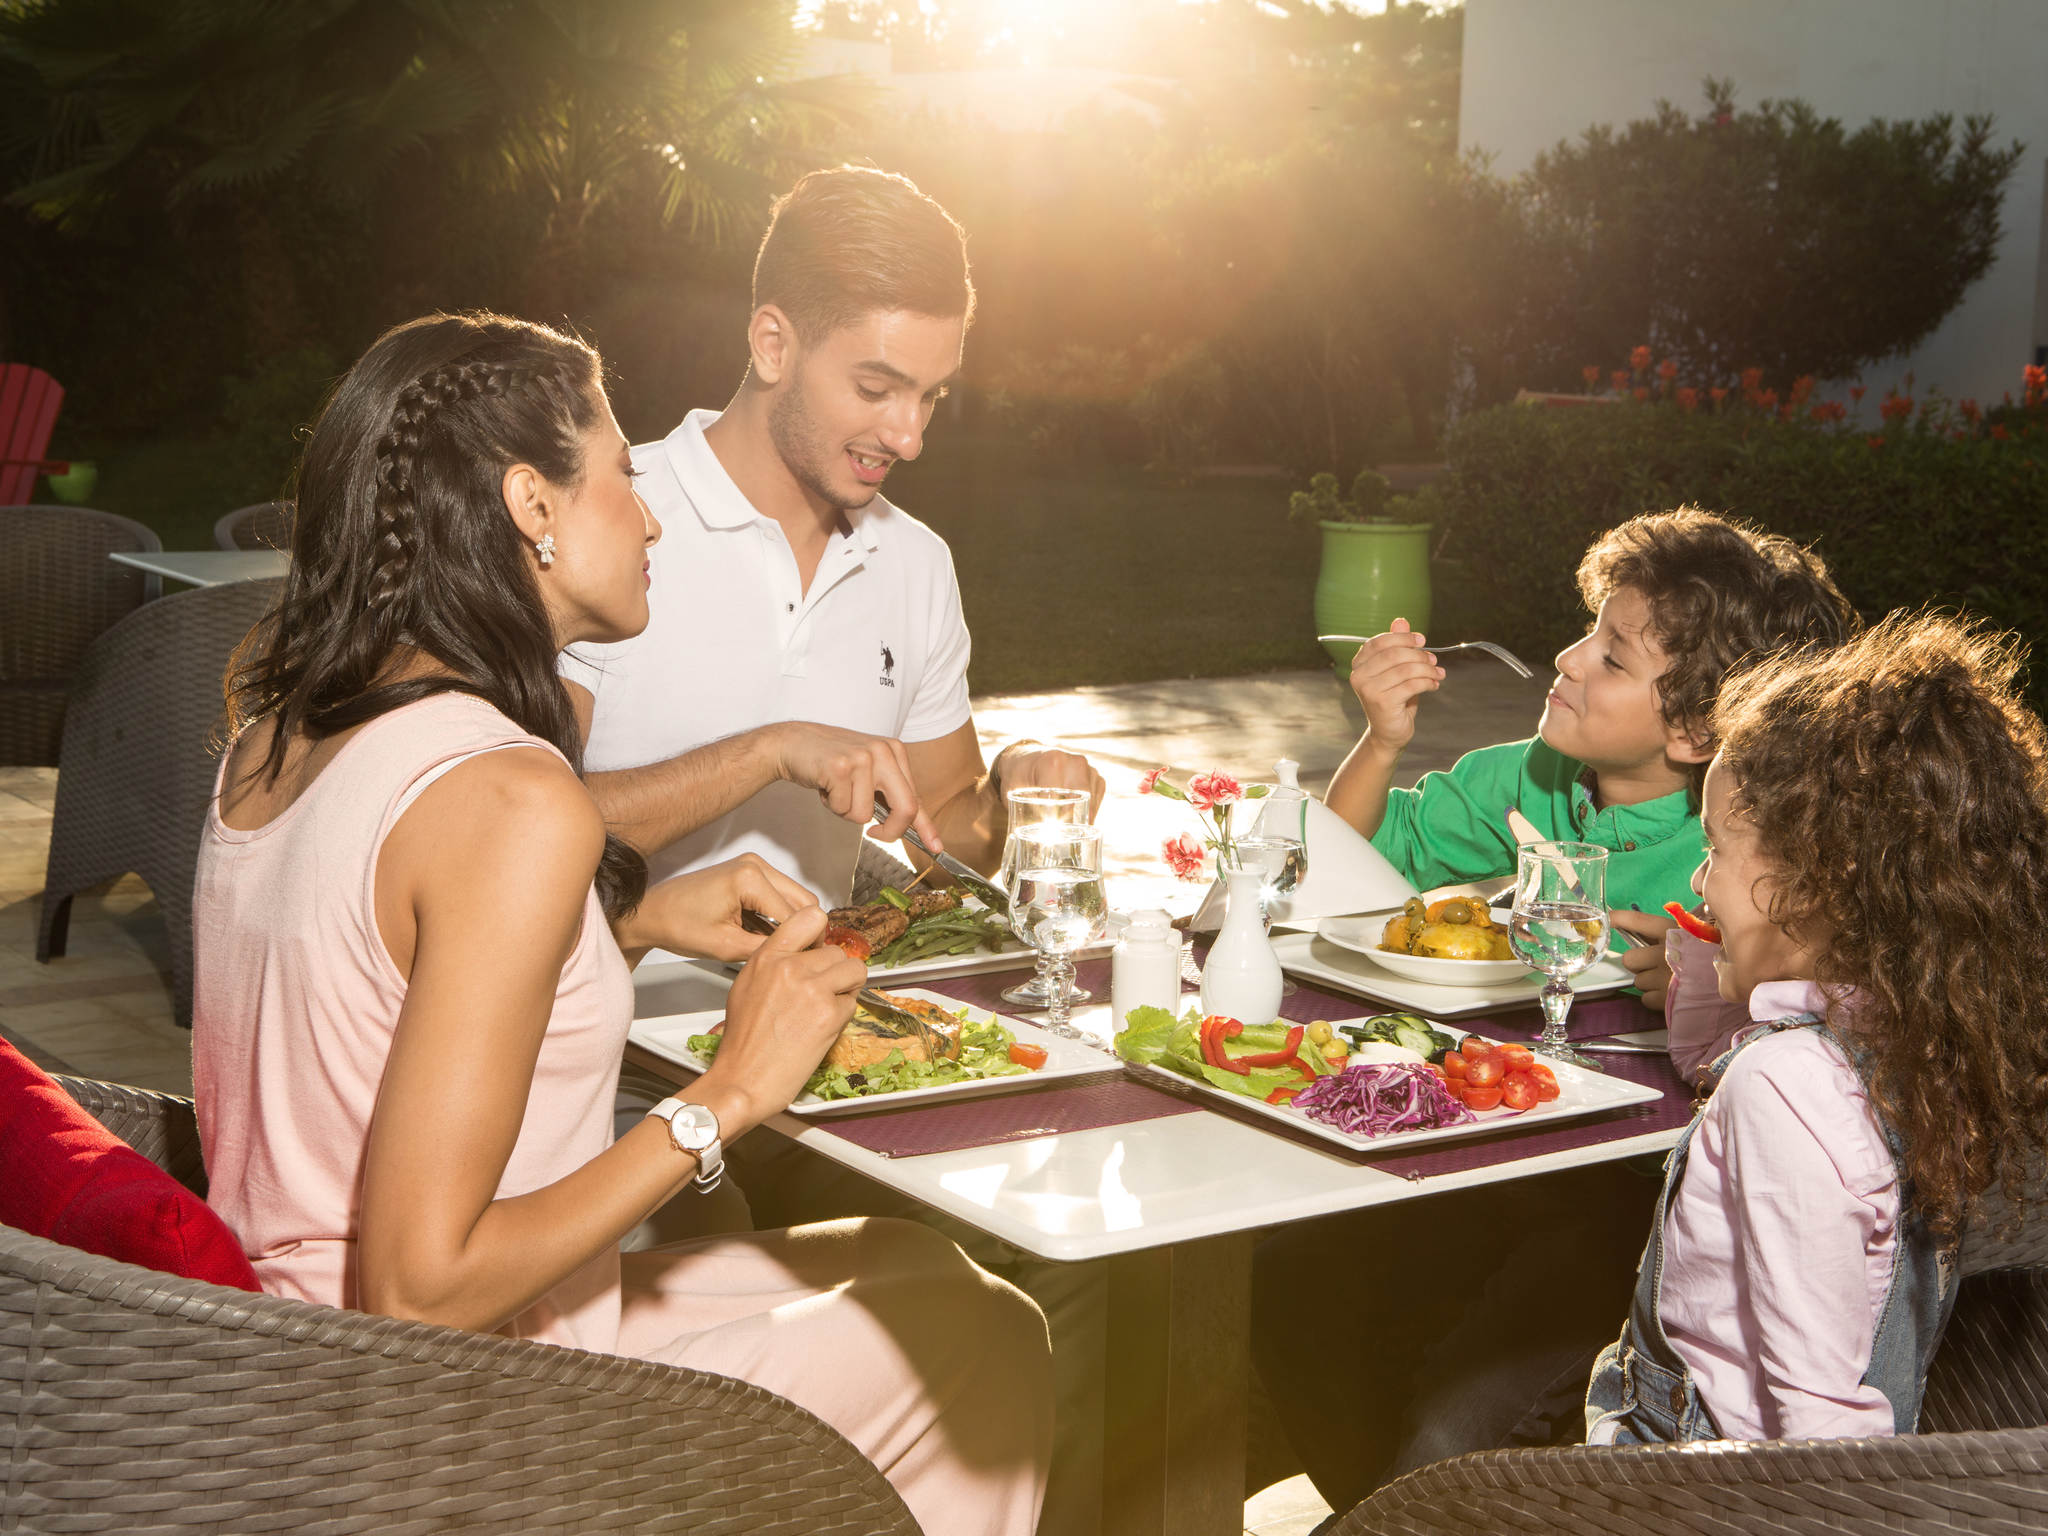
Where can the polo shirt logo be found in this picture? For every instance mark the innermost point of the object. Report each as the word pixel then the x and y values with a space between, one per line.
pixel 888 678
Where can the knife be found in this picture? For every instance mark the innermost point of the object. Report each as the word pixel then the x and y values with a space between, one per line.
pixel 877 1006
pixel 991 895
pixel 1525 831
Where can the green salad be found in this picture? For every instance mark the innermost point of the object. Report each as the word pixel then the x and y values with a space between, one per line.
pixel 984 1053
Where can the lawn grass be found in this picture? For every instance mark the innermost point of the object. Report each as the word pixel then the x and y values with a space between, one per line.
pixel 1070 574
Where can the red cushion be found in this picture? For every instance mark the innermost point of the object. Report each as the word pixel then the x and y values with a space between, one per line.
pixel 72 1180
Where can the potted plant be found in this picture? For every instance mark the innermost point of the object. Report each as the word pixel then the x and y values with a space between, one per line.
pixel 1375 559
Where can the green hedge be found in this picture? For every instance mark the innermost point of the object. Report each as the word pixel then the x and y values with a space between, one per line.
pixel 1932 510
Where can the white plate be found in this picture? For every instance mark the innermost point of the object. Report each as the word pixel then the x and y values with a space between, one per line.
pixel 1580 1093
pixel 1313 958
pixel 669 1037
pixel 1363 935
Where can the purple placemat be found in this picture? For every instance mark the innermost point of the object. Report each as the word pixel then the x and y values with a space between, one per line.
pixel 1085 1105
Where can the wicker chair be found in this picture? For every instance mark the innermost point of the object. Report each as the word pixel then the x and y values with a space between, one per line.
pixel 875 868
pixel 137 1402
pixel 1980 1462
pixel 58 592
pixel 265 525
pixel 137 768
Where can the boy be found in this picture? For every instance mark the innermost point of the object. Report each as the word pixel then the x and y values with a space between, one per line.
pixel 1679 598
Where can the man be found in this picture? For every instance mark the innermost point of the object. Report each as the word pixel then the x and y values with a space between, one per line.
pixel 806 642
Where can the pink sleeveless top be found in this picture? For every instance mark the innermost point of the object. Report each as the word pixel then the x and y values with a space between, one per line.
pixel 295 1000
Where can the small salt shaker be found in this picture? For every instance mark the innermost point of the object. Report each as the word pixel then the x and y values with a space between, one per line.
pixel 1144 968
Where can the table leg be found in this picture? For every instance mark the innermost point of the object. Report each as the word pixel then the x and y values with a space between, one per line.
pixel 1177 1379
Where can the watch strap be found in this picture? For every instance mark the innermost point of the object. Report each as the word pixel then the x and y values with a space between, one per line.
pixel 710 1154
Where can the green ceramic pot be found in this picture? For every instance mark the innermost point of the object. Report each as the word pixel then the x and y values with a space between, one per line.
pixel 1373 574
pixel 76 488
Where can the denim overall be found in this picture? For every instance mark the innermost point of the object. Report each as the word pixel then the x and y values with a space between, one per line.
pixel 1642 1387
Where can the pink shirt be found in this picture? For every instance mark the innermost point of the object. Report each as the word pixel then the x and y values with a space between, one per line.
pixel 1779 1242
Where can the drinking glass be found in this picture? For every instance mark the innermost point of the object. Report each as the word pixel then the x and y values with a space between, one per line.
pixel 1057 905
pixel 1559 926
pixel 1276 847
pixel 1033 806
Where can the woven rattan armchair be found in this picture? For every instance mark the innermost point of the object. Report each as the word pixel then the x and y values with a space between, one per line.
pixel 266 525
pixel 137 768
pixel 875 868
pixel 1979 1464
pixel 136 1402
pixel 58 592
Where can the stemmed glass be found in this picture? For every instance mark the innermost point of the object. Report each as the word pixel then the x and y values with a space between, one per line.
pixel 1057 905
pixel 1559 926
pixel 1033 806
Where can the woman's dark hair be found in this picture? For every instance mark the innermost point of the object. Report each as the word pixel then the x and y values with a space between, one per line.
pixel 1721 596
pixel 401 537
pixel 1900 788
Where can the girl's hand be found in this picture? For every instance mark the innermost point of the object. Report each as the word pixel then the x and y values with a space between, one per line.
pixel 784 1011
pixel 699 913
pixel 1390 674
pixel 1647 963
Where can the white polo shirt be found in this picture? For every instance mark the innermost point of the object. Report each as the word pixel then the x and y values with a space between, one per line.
pixel 878 645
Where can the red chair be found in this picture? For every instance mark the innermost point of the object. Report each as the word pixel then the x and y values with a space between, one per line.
pixel 29 400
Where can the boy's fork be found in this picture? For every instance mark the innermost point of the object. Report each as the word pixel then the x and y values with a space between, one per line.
pixel 1501 652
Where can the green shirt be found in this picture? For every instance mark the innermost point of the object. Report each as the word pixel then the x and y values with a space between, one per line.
pixel 1452 827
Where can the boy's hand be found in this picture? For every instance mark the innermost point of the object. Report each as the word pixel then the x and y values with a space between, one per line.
pixel 1646 962
pixel 1390 674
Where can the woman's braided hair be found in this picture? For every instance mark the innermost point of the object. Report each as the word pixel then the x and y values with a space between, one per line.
pixel 401 538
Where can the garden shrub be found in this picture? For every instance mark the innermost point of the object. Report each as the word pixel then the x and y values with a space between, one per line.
pixel 1944 506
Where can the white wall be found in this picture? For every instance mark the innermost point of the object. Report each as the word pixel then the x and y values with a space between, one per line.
pixel 1537 71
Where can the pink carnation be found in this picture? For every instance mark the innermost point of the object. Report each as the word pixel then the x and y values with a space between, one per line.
pixel 1208 790
pixel 1184 856
pixel 1145 784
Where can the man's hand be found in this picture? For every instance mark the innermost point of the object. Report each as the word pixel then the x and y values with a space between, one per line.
pixel 848 770
pixel 1646 962
pixel 1390 674
pixel 1030 765
pixel 699 913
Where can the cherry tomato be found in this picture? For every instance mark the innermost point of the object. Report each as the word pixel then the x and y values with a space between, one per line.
pixel 1472 1047
pixel 1547 1089
pixel 1516 1058
pixel 854 942
pixel 1485 1072
pixel 1518 1091
pixel 1454 1065
pixel 1032 1056
pixel 1477 1097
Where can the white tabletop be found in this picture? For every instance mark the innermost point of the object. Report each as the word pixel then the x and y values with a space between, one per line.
pixel 206 567
pixel 1089 1194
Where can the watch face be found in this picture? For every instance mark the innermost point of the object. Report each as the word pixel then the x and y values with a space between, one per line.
pixel 694 1127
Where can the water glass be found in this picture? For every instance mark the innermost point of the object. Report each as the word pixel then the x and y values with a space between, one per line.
pixel 1559 926
pixel 1057 905
pixel 1030 806
pixel 1276 846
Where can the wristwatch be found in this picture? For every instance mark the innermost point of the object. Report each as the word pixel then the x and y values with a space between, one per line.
pixel 693 1128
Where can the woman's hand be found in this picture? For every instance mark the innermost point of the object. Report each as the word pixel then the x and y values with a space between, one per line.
pixel 1390 674
pixel 785 1010
pixel 699 913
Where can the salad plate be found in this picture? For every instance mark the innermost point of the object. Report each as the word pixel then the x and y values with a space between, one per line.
pixel 669 1038
pixel 1314 958
pixel 1580 1093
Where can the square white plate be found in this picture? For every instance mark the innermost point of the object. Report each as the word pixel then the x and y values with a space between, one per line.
pixel 668 1037
pixel 1580 1093
pixel 1314 959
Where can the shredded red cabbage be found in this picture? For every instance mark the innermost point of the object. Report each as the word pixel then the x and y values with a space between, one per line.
pixel 1372 1098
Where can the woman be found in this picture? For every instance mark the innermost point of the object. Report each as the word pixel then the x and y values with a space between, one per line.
pixel 412 999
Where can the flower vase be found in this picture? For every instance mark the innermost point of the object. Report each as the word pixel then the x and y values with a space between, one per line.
pixel 1242 977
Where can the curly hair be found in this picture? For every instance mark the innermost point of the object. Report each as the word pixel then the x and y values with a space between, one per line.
pixel 1721 595
pixel 1901 790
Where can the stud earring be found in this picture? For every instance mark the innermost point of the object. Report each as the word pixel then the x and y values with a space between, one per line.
pixel 546 546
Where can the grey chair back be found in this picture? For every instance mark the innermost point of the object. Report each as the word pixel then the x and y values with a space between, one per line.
pixel 137 769
pixel 58 592
pixel 264 525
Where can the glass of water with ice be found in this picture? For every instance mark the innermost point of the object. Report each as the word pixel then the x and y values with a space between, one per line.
pixel 1559 927
pixel 1057 905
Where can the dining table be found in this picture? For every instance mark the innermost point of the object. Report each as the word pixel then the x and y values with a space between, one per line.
pixel 1170 1194
pixel 206 567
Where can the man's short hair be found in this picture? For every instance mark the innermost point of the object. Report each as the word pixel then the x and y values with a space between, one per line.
pixel 1721 594
pixel 850 241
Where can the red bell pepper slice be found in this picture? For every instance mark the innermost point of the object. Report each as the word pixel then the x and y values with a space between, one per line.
pixel 1283 1093
pixel 1288 1052
pixel 1215 1030
pixel 1695 925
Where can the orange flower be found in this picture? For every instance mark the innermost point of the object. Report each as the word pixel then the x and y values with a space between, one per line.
pixel 1717 394
pixel 2034 376
pixel 1895 408
pixel 1830 410
pixel 1640 393
pixel 1801 388
pixel 1998 431
pixel 1619 378
pixel 1639 359
pixel 1856 391
pixel 1591 374
pixel 1971 410
pixel 1875 442
pixel 1768 400
pixel 1688 398
pixel 1752 380
pixel 1668 369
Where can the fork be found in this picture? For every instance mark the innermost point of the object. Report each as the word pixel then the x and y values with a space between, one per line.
pixel 1502 652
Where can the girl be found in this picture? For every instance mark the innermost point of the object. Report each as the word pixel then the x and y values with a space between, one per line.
pixel 411 997
pixel 1878 868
